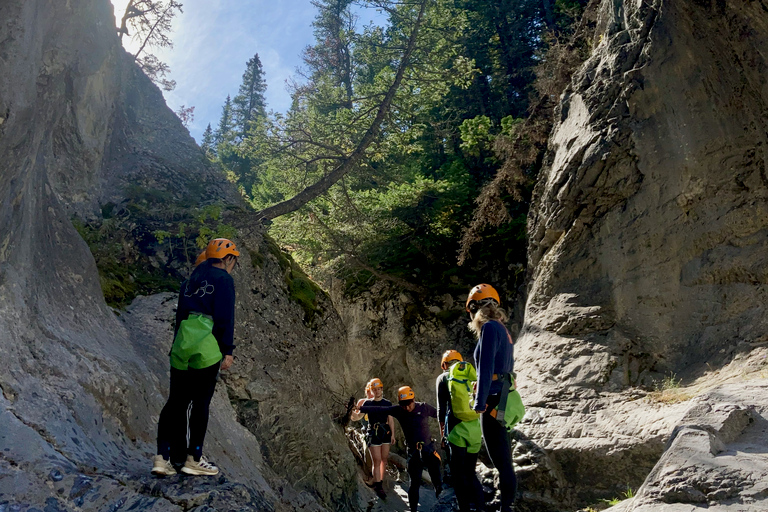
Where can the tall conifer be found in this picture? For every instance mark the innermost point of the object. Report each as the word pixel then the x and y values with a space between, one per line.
pixel 224 131
pixel 208 143
pixel 250 104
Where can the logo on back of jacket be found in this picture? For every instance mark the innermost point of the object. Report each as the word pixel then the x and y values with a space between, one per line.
pixel 203 290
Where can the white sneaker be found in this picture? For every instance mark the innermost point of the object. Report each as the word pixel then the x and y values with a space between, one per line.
pixel 191 467
pixel 162 467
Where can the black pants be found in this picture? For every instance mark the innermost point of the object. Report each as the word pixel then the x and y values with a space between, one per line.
pixel 464 477
pixel 499 447
pixel 417 461
pixel 184 419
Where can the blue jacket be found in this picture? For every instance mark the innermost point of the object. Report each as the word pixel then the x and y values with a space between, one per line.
pixel 494 353
pixel 210 291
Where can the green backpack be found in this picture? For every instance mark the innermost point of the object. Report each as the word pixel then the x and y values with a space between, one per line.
pixel 510 409
pixel 195 345
pixel 461 378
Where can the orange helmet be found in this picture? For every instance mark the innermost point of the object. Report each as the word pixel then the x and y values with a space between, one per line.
pixel 220 247
pixel 374 383
pixel 448 356
pixel 405 393
pixel 481 293
pixel 200 258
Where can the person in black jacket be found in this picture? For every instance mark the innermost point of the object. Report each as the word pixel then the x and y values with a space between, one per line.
pixel 414 420
pixel 203 344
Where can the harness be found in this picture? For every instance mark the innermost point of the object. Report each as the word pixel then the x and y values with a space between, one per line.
pixel 376 427
pixel 507 380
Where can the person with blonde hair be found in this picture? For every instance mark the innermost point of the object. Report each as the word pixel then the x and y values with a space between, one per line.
pixel 380 433
pixel 414 420
pixel 494 360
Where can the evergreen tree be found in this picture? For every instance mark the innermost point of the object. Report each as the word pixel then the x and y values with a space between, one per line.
pixel 250 105
pixel 208 142
pixel 224 131
pixel 331 58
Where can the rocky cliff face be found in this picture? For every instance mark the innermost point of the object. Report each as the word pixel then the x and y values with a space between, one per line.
pixel 81 128
pixel 647 234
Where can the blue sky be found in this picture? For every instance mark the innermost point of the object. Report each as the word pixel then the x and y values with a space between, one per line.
pixel 213 39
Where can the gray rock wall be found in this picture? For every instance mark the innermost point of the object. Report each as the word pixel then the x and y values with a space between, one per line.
pixel 648 232
pixel 82 387
pixel 648 238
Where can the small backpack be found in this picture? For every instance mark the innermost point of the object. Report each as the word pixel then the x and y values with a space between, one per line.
pixel 510 409
pixel 460 379
pixel 467 433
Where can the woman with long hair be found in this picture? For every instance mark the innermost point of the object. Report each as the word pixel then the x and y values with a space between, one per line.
pixel 380 433
pixel 494 359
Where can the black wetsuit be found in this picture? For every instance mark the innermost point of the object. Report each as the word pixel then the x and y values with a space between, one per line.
pixel 184 419
pixel 421 449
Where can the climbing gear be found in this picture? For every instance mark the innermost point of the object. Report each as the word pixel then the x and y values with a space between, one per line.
pixel 510 409
pixel 162 467
pixel 405 393
pixel 480 294
pixel 448 356
pixel 200 258
pixel 375 383
pixel 379 434
pixel 201 467
pixel 195 346
pixel 467 433
pixel 220 247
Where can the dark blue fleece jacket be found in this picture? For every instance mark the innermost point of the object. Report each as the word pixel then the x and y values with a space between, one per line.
pixel 210 291
pixel 494 353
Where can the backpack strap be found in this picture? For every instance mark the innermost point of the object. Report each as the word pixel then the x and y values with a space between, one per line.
pixel 507 381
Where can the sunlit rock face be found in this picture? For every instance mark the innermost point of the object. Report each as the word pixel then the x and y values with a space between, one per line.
pixel 648 233
pixel 82 386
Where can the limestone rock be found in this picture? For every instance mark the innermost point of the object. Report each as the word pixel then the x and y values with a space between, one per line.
pixel 81 386
pixel 715 457
pixel 647 250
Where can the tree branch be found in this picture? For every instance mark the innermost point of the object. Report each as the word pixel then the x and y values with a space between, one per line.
pixel 321 186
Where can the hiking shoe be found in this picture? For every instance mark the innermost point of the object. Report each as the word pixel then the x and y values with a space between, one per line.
pixel 378 487
pixel 203 467
pixel 162 467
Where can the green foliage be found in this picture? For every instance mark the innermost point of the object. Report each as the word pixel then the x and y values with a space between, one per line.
pixel 667 383
pixel 629 493
pixel 401 212
pixel 300 287
pixel 149 245
pixel 475 135
pixel 121 280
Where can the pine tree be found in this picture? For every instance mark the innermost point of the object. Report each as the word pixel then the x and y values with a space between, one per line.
pixel 208 143
pixel 224 131
pixel 250 104
pixel 331 58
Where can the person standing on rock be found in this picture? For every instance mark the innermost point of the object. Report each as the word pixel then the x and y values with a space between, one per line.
pixel 414 420
pixel 380 433
pixel 494 359
pixel 446 420
pixel 203 344
pixel 461 428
